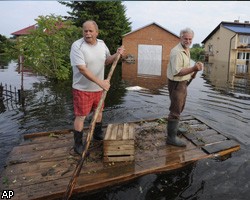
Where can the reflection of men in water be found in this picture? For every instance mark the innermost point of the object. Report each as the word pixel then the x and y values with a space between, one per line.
pixel 178 73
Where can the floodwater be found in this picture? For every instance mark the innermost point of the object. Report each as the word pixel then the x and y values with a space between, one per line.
pixel 48 106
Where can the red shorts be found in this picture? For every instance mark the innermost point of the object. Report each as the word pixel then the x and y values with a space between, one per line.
pixel 85 102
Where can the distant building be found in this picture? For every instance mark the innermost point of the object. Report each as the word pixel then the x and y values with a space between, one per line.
pixel 147 50
pixel 227 51
pixel 24 31
pixel 27 30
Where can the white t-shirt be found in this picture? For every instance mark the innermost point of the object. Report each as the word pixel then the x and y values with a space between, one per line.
pixel 93 57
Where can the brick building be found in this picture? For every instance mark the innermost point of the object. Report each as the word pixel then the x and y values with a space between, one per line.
pixel 149 47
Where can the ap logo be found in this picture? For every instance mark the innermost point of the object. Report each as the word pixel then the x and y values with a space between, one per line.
pixel 7 194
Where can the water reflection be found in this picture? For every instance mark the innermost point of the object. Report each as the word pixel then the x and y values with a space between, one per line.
pixel 132 76
pixel 173 185
pixel 220 78
pixel 4 60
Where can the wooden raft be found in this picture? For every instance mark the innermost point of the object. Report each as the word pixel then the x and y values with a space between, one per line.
pixel 42 165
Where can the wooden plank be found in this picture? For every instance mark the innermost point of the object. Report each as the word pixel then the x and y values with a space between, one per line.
pixel 119 151
pixel 131 132
pixel 187 117
pixel 199 127
pixel 39 155
pixel 114 132
pixel 209 140
pixel 48 143
pixel 226 152
pixel 190 122
pixel 213 139
pixel 224 145
pixel 120 132
pixel 125 135
pixel 109 143
pixel 108 132
pixel 40 134
pixel 118 158
pixel 200 134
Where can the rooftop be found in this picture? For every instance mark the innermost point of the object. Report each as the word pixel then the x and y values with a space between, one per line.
pixel 236 26
pixel 24 31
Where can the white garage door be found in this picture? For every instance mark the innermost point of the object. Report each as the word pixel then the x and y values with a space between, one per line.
pixel 149 59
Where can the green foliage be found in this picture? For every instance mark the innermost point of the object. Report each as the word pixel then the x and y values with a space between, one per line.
pixel 5 181
pixel 46 49
pixel 197 52
pixel 109 15
pixel 5 45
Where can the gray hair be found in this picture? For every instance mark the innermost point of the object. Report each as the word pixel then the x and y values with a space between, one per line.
pixel 186 30
pixel 93 22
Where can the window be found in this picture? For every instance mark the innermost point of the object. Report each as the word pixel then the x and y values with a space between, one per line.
pixel 210 48
pixel 243 55
pixel 241 69
pixel 244 39
pixel 149 59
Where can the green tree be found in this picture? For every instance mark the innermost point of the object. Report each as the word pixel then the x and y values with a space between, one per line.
pixel 197 52
pixel 109 15
pixel 5 45
pixel 46 49
pixel 3 40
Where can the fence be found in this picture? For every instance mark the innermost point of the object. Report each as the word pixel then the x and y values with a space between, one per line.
pixel 10 98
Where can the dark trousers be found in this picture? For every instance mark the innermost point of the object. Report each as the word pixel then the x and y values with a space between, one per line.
pixel 177 94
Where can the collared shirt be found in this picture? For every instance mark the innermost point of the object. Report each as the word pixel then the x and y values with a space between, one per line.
pixel 179 59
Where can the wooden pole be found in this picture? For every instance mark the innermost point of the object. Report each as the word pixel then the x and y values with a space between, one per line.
pixel 192 77
pixel 78 168
pixel 21 70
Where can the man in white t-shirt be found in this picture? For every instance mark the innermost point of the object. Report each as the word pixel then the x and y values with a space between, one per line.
pixel 89 56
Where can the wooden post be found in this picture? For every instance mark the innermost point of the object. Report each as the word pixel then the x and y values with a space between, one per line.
pixel 1 92
pixel 2 107
pixel 21 97
pixel 21 70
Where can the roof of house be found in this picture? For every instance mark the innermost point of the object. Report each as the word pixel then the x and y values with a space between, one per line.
pixel 153 23
pixel 241 28
pixel 24 31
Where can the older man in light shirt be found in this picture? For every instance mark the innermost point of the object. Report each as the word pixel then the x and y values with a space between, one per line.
pixel 179 72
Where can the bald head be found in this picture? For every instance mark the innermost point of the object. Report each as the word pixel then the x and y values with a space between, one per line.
pixel 90 32
pixel 91 22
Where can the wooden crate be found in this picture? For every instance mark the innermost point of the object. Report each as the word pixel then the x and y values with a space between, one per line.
pixel 119 143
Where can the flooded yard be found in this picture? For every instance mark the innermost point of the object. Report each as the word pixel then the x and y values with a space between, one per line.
pixel 48 106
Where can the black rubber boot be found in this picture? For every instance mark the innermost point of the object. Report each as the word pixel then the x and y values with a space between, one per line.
pixel 98 133
pixel 172 139
pixel 78 145
pixel 181 131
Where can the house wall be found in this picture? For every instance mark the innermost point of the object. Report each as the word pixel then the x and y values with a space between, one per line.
pixel 150 35
pixel 218 67
pixel 227 55
pixel 240 49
